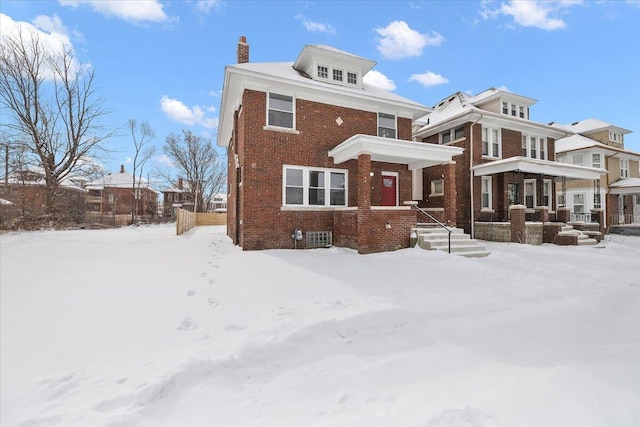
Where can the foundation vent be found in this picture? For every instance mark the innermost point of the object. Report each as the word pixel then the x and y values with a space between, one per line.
pixel 319 239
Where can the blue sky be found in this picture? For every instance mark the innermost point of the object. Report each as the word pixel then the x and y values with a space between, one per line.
pixel 163 61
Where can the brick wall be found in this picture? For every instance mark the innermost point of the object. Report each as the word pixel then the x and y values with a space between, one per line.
pixel 261 152
pixel 377 236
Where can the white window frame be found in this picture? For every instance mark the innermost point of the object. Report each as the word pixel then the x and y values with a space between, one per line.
pixel 534 144
pixel 487 184
pixel 326 69
pixel 583 204
pixel 534 193
pixel 594 163
pixel 624 168
pixel 577 159
pixel 491 143
pixel 521 111
pixel 305 186
pixel 547 191
pixel 434 184
pixel 395 123
pixel 355 77
pixel 337 72
pixel 292 112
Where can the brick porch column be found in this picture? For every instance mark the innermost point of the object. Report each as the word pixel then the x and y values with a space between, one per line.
pixel 518 231
pixel 542 214
pixel 564 215
pixel 598 214
pixel 364 202
pixel 450 194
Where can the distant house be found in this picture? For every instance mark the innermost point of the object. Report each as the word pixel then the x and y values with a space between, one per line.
pixel 317 156
pixel 508 160
pixel 598 144
pixel 218 203
pixel 178 196
pixel 24 193
pixel 112 196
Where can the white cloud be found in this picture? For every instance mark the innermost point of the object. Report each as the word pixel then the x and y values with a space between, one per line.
pixel 128 160
pixel 215 93
pixel 50 32
pixel 132 11
pixel 315 27
pixel 162 160
pixel 428 79
pixel 205 6
pixel 398 41
pixel 545 15
pixel 377 79
pixel 180 113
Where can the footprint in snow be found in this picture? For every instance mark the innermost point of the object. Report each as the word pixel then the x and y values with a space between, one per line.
pixel 213 303
pixel 212 282
pixel 187 324
pixel 203 275
pixel 191 292
pixel 235 327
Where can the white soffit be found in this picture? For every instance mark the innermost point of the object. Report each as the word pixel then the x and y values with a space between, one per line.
pixel 415 155
pixel 545 167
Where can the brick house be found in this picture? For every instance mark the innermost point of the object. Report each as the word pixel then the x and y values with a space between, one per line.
pixel 599 144
pixel 112 197
pixel 312 147
pixel 508 161
pixel 178 196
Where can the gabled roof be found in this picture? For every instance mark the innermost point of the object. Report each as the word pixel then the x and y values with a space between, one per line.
pixel 593 125
pixel 117 180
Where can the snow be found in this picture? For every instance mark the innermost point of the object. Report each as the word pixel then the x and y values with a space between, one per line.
pixel 139 327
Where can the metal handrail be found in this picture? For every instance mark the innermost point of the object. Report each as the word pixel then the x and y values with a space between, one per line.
pixel 437 222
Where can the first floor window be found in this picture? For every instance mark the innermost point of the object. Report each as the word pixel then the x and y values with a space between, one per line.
pixel 486 192
pixel 530 193
pixel 578 203
pixel 280 111
pixel 597 201
pixel 305 186
pixel 513 193
pixel 437 187
pixel 546 193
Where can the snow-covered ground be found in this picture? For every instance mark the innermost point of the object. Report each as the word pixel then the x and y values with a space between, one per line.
pixel 139 327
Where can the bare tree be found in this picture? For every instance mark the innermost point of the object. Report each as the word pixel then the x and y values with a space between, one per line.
pixel 49 103
pixel 141 134
pixel 197 161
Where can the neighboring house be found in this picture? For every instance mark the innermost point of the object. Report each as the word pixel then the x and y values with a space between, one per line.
pixel 508 160
pixel 218 203
pixel 112 196
pixel 177 196
pixel 25 191
pixel 601 145
pixel 317 153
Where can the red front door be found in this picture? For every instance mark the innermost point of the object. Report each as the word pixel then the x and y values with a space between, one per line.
pixel 389 186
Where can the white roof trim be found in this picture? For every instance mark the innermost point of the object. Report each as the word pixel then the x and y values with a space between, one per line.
pixel 625 186
pixel 545 167
pixel 415 155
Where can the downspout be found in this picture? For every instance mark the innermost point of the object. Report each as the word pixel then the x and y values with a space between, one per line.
pixel 471 175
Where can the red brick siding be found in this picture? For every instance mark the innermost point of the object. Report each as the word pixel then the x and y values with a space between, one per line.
pixel 345 229
pixel 376 237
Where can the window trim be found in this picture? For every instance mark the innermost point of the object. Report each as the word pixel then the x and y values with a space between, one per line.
pixel 599 162
pixel 327 70
pixel 491 143
pixel 292 112
pixel 549 183
pixel 624 168
pixel 537 144
pixel 305 187
pixel 337 72
pixel 395 122
pixel 489 181
pixel 534 194
pixel 433 187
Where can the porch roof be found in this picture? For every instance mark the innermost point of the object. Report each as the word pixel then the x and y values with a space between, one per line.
pixel 625 186
pixel 415 155
pixel 546 167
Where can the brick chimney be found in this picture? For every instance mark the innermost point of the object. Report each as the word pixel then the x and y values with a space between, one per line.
pixel 180 183
pixel 243 50
pixel 121 168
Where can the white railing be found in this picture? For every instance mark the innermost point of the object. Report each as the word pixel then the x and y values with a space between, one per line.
pixel 624 219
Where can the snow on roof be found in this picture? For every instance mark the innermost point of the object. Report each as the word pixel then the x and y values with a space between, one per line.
pixel 5 202
pixel 493 93
pixel 593 125
pixel 116 180
pixel 578 142
pixel 626 182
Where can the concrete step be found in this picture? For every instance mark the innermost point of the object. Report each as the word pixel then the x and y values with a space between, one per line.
pixel 474 254
pixel 444 243
pixel 445 236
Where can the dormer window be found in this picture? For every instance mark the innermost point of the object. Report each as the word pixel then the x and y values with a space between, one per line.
pixel 352 78
pixel 515 110
pixel 386 125
pixel 323 72
pixel 615 137
pixel 337 75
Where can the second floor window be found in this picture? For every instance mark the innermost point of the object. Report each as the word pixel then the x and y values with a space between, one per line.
pixel 595 160
pixel 624 168
pixel 387 125
pixel 280 111
pixel 534 147
pixel 491 142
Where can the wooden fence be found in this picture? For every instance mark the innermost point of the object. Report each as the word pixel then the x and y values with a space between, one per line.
pixel 186 220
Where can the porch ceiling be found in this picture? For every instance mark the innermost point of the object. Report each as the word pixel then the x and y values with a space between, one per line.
pixel 545 167
pixel 415 155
